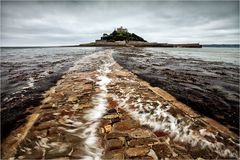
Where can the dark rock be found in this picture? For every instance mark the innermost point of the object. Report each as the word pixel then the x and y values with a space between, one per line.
pixel 142 141
pixel 162 151
pixel 137 151
pixel 115 120
pixel 116 135
pixel 114 144
pixel 112 111
pixel 125 125
pixel 114 155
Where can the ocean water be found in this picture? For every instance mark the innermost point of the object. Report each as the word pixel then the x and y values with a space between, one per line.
pixel 227 55
pixel 27 72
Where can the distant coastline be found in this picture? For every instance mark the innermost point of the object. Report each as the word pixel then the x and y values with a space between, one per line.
pixel 88 45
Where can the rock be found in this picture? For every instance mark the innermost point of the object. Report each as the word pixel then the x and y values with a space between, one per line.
pixel 112 111
pixel 115 120
pixel 162 151
pixel 142 141
pixel 114 155
pixel 197 152
pixel 101 130
pixel 87 88
pixel 76 107
pixel 62 158
pixel 37 153
pixel 140 133
pixel 142 158
pixel 111 116
pixel 86 105
pixel 116 135
pixel 65 112
pixel 59 149
pixel 46 125
pixel 152 154
pixel 46 106
pixel 42 133
pixel 125 125
pixel 47 100
pixel 111 103
pixel 108 128
pixel 72 99
pixel 160 134
pixel 137 151
pixel 114 144
pixel 179 148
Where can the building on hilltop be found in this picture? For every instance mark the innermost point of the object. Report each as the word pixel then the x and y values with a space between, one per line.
pixel 121 29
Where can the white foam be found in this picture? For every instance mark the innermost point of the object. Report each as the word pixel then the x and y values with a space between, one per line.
pixel 88 131
pixel 100 102
pixel 160 119
pixel 30 83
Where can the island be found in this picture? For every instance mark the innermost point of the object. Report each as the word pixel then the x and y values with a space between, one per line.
pixel 120 37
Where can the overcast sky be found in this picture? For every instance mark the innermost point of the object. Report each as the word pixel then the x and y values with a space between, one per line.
pixel 62 23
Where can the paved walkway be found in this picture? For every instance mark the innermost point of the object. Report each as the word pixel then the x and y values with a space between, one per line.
pixel 101 111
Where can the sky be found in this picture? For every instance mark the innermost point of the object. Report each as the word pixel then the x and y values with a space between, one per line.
pixel 39 23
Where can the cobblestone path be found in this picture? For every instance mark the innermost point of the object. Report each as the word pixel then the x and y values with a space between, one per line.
pixel 99 110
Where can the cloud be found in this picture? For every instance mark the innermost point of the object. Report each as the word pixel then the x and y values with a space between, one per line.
pixel 74 22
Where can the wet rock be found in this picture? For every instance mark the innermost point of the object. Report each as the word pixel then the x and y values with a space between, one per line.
pixel 160 134
pixel 46 125
pixel 46 106
pixel 65 112
pixel 137 151
pixel 114 144
pixel 47 100
pixel 108 128
pixel 115 120
pixel 112 111
pixel 116 135
pixel 76 107
pixel 42 133
pixel 114 155
pixel 87 88
pixel 162 151
pixel 142 141
pixel 197 152
pixel 179 148
pixel 125 125
pixel 77 153
pixel 72 99
pixel 140 133
pixel 112 104
pixel 106 122
pixel 61 149
pixel 111 116
pixel 142 158
pixel 37 153
pixel 152 154
pixel 61 158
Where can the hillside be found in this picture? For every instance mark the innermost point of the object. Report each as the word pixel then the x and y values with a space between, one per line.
pixel 121 36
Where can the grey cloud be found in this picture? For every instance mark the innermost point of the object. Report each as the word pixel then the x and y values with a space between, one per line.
pixel 59 23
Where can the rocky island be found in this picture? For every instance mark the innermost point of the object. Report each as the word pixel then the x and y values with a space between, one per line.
pixel 120 37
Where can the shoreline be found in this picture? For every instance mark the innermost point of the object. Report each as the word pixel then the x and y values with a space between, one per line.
pixel 51 117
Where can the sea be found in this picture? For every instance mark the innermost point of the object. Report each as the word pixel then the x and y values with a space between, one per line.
pixel 210 75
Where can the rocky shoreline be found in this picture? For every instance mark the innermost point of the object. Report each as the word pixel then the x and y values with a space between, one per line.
pixel 106 112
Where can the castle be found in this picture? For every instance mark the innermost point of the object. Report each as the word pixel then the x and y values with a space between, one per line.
pixel 121 29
